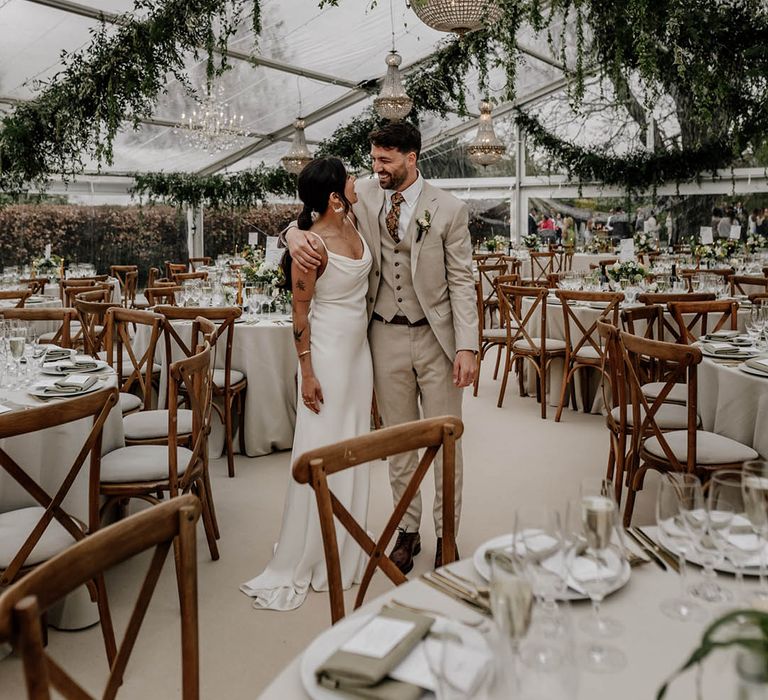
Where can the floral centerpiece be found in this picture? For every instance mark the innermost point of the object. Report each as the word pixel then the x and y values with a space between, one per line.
pixel 257 270
pixel 644 242
pixel 630 270
pixel 494 243
pixel 531 241
pixel 755 242
pixel 48 266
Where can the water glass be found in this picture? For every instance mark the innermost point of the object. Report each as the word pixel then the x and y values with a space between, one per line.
pixel 448 654
pixel 754 486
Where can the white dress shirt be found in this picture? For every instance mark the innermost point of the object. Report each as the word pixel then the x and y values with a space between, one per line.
pixel 408 206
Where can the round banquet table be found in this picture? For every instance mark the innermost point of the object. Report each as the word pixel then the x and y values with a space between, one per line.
pixel 556 329
pixel 53 289
pixel 46 456
pixel 581 263
pixel 38 302
pixel 264 352
pixel 655 645
pixel 734 404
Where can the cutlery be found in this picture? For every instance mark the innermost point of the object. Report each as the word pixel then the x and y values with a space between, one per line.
pixel 426 611
pixel 654 557
pixel 438 585
pixel 482 594
pixel 667 556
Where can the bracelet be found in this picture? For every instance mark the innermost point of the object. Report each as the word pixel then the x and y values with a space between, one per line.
pixel 306 352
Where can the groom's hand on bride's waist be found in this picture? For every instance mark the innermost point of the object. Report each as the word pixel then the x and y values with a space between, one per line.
pixel 304 249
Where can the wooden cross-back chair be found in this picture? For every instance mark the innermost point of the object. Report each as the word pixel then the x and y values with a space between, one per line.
pixel 656 446
pixel 230 384
pixel 564 260
pixel 489 338
pixel 542 265
pixel 670 327
pixel 487 274
pixel 204 261
pixel 71 291
pixel 739 282
pixel 92 310
pixel 602 264
pixel 36 284
pixel 128 277
pixel 172 269
pixel 690 274
pixel 584 352
pixel 647 322
pixel 47 523
pixel 137 373
pixel 524 343
pixel 147 472
pixel 181 277
pixel 19 296
pixel 316 466
pixel 698 313
pixel 21 606
pixel 513 263
pixel 62 336
pixel 165 294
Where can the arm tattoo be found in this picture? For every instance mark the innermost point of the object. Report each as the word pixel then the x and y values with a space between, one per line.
pixel 297 334
pixel 300 285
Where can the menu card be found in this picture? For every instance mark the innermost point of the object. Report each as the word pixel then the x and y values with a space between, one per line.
pixel 706 235
pixel 627 250
pixel 735 232
pixel 253 238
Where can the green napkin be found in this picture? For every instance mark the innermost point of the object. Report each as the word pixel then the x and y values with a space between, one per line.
pixel 362 676
pixel 722 335
pixel 758 363
pixel 65 386
pixel 721 349
pixel 53 355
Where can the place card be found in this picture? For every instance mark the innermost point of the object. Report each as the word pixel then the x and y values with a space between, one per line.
pixel 705 232
pixel 627 250
pixel 379 637
pixel 253 238
pixel 735 232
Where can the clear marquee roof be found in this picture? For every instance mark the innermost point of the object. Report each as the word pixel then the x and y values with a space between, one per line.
pixel 317 55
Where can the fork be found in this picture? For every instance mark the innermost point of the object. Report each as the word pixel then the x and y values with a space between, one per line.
pixel 426 611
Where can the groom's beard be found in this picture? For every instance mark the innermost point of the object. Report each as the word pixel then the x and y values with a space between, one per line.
pixel 392 181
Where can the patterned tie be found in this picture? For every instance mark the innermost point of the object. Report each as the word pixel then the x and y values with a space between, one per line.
pixel 393 218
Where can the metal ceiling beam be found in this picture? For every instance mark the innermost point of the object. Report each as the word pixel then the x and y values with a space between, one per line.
pixel 544 58
pixel 112 18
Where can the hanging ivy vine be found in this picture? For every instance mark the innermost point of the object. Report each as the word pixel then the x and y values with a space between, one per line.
pixel 119 77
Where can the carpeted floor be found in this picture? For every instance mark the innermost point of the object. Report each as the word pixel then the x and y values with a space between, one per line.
pixel 511 457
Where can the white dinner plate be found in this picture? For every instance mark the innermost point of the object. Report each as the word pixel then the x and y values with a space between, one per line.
pixel 484 568
pixel 331 639
pixel 744 367
pixel 100 365
pixel 37 390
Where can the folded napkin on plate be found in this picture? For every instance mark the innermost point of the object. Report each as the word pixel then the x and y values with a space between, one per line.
pixel 71 384
pixel 360 666
pixel 721 349
pixel 758 363
pixel 77 365
pixel 721 335
pixel 53 355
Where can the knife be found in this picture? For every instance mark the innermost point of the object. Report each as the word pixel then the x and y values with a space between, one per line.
pixel 663 553
pixel 451 593
pixel 655 557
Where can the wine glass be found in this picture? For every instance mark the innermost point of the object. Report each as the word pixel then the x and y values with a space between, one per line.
pixel 675 488
pixel 446 651
pixel 17 342
pixel 596 562
pixel 754 484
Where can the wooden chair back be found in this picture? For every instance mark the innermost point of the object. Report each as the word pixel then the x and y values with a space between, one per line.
pixel 152 276
pixel 72 291
pixel 314 468
pixel 519 326
pixel 542 264
pixel 564 260
pixel 162 294
pixel 573 325
pixel 738 282
pixel 487 275
pixel 697 313
pixel 19 296
pixel 36 284
pixel 96 406
pixel 93 322
pixel 615 389
pixel 647 322
pixel 128 277
pixel 664 298
pixel 181 277
pixel 682 361
pixel 759 298
pixel 121 323
pixel 63 317
pixel 514 264
pixel 690 274
pixel 169 524
pixel 172 269
pixel 205 261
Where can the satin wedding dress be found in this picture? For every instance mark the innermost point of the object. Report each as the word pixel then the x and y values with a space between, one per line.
pixel 341 361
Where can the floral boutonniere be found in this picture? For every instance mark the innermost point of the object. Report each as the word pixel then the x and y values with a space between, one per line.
pixel 423 224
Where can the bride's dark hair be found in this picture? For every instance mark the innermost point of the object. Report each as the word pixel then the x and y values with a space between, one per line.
pixel 320 179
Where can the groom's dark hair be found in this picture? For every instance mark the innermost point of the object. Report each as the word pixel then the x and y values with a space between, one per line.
pixel 403 136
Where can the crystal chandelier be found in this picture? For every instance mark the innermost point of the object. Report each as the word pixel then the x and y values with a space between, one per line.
pixel 213 126
pixel 298 155
pixel 393 101
pixel 460 16
pixel 486 147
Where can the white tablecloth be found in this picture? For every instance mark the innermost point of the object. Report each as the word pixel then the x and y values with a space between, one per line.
pixel 53 289
pixel 655 645
pixel 39 302
pixel 265 353
pixel 734 404
pixel 581 262
pixel 47 456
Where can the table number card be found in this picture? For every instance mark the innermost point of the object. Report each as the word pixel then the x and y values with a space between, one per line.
pixel 627 250
pixel 706 235
pixel 735 232
pixel 253 238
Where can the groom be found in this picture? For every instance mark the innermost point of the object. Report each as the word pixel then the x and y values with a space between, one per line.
pixel 421 302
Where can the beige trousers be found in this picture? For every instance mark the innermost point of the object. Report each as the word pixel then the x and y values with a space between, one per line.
pixel 410 368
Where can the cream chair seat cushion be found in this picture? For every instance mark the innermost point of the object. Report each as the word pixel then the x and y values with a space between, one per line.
pixel 550 344
pixel 711 448
pixel 15 526
pixel 150 425
pixel 129 402
pixel 141 463
pixel 670 416
pixel 678 394
pixel 219 376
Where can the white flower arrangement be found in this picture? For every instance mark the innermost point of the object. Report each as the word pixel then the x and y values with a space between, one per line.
pixel 630 270
pixel 495 243
pixel 644 243
pixel 531 241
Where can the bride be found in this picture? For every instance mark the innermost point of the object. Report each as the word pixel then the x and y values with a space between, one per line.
pixel 335 385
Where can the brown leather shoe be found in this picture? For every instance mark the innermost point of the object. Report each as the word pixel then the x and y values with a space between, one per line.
pixel 408 545
pixel 439 553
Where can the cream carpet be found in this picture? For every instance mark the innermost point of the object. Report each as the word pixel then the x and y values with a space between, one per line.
pixel 511 457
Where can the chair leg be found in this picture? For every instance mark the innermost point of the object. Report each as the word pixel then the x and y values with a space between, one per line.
pixel 476 383
pixel 542 385
pixel 498 362
pixel 228 435
pixel 629 507
pixel 210 535
pixel 212 507
pixel 241 421
pixel 503 388
pixel 520 378
pixel 567 378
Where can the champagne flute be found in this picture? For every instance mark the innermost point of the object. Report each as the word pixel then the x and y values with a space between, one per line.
pixel 17 342
pixel 595 561
pixel 674 488
pixel 754 486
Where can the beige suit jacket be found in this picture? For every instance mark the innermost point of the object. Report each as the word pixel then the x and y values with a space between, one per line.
pixel 441 262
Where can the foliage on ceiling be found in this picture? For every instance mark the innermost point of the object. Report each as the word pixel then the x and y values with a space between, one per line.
pixel 709 57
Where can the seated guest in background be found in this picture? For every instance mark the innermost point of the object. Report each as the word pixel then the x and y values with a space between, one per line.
pixel 547 229
pixel 533 225
pixel 569 232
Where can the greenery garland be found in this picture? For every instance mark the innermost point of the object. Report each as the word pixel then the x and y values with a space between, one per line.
pixel 121 74
pixel 247 188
